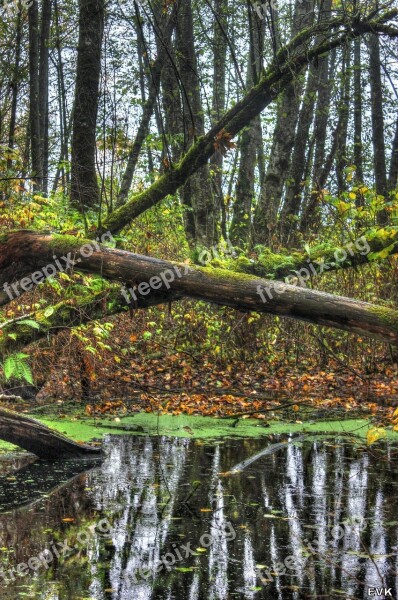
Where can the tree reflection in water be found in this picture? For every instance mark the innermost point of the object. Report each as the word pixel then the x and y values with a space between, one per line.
pixel 160 494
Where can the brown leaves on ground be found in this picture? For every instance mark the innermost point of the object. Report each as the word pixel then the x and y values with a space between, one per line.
pixel 176 385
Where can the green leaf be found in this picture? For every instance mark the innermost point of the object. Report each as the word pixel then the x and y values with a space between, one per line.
pixel 29 323
pixel 16 366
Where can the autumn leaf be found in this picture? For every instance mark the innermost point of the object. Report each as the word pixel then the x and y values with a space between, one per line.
pixel 222 142
pixel 374 434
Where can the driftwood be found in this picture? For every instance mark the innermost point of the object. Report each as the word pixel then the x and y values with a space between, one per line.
pixel 39 439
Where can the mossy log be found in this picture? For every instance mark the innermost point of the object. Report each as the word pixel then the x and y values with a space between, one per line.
pixel 24 251
pixel 319 260
pixel 39 439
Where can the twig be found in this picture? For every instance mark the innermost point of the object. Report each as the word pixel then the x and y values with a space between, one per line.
pixel 21 318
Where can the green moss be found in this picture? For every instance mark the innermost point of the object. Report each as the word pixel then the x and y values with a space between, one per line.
pixel 66 243
pixel 3 238
pixel 202 427
pixel 386 315
pixel 211 271
pixel 244 262
pixel 273 263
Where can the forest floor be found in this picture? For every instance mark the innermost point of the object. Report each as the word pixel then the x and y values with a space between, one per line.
pixel 176 384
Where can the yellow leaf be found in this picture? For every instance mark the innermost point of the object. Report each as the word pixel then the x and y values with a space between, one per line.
pixel 374 434
pixel 352 196
pixel 343 207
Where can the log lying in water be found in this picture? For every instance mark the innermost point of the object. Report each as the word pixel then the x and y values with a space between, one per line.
pixel 39 439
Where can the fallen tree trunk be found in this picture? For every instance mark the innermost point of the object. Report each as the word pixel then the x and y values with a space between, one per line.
pixel 39 439
pixel 153 281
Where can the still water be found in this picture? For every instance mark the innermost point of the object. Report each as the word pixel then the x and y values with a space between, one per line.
pixel 166 519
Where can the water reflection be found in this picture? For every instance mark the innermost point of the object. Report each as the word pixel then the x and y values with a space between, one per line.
pixel 181 527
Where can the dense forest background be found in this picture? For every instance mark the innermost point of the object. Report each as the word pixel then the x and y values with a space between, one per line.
pixel 246 137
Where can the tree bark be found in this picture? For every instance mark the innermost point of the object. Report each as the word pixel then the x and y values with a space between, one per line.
pixel 43 88
pixel 197 192
pixel 85 192
pixel 240 230
pixel 39 439
pixel 34 110
pixel 379 150
pixel 393 172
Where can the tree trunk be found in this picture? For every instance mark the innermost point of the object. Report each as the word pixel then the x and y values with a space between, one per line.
pixel 85 192
pixel 358 151
pixel 15 87
pixel 265 218
pixel 342 130
pixel 34 110
pixel 379 150
pixel 39 439
pixel 149 108
pixel 197 193
pixel 23 252
pixel 302 145
pixel 393 172
pixel 43 88
pixel 63 117
pixel 220 45
pixel 240 230
pixel 311 212
pixel 294 192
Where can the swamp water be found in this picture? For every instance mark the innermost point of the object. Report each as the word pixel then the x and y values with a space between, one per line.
pixel 164 518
